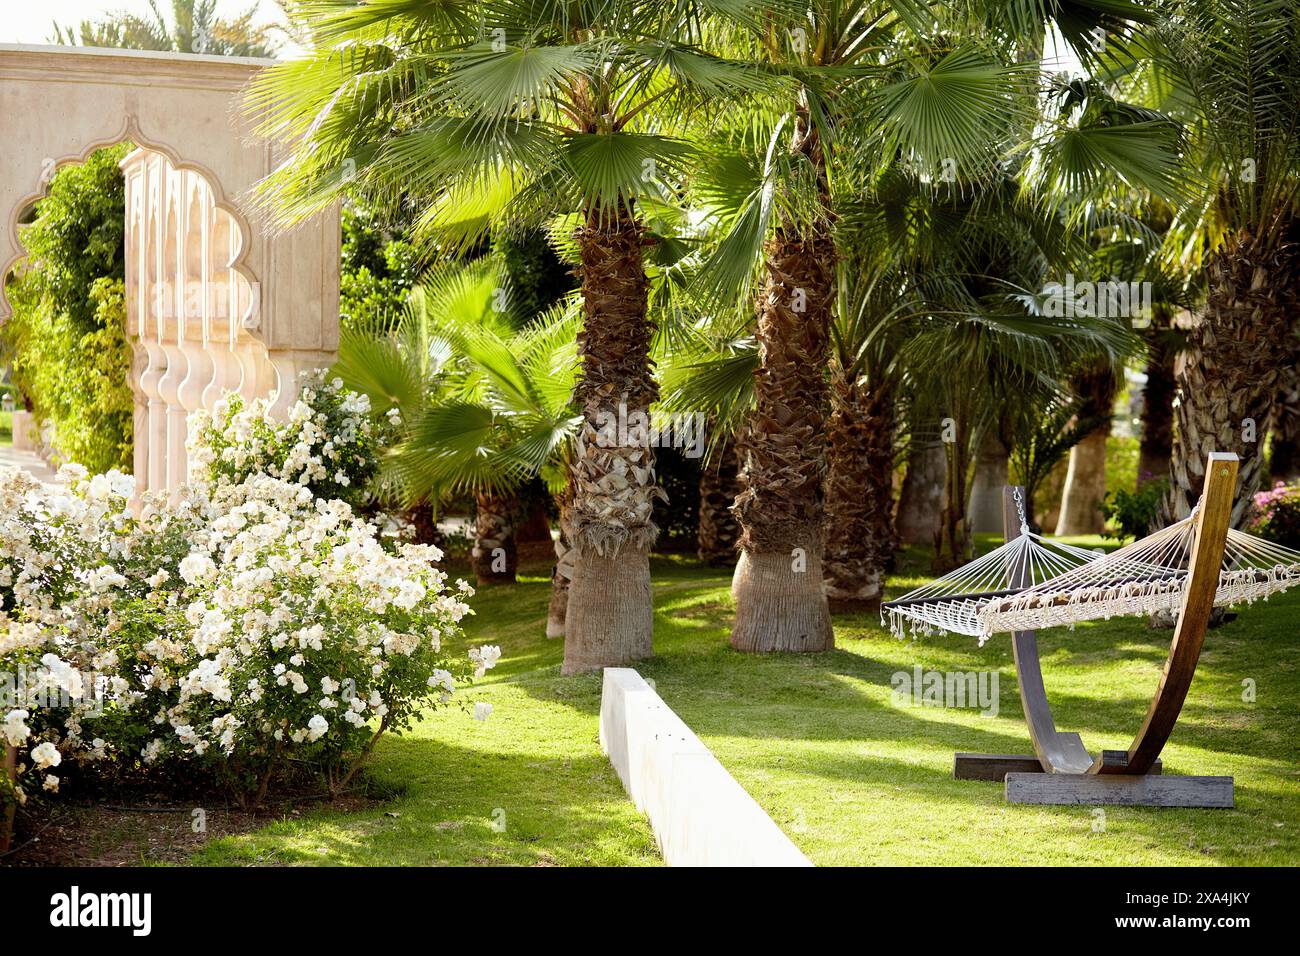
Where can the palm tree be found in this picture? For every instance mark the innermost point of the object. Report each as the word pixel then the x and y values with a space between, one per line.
pixel 932 109
pixel 504 419
pixel 1232 68
pixel 866 376
pixel 194 28
pixel 513 114
pixel 484 398
pixel 713 375
pixel 1096 384
pixel 717 539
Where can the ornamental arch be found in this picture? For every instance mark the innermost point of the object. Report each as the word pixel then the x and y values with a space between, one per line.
pixel 217 300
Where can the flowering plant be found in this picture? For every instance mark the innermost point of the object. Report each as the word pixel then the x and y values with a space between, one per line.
pixel 329 443
pixel 250 623
pixel 308 636
pixel 1276 515
pixel 70 560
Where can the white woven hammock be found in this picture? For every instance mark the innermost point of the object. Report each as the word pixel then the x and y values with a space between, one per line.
pixel 955 601
pixel 1143 578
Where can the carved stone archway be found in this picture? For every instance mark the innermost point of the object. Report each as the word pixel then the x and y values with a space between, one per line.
pixel 216 299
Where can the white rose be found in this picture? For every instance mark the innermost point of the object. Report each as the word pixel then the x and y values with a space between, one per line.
pixel 197 567
pixel 317 727
pixel 46 755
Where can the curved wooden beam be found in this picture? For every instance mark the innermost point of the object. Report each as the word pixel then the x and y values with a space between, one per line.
pixel 1212 522
pixel 1057 752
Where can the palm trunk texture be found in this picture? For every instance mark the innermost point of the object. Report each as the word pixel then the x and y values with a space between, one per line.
pixel 610 617
pixel 718 532
pixel 1229 371
pixel 1085 482
pixel 780 603
pixel 495 556
pixel 921 498
pixel 1157 412
pixel 954 544
pixel 1284 465
pixel 562 573
pixel 992 466
pixel 859 495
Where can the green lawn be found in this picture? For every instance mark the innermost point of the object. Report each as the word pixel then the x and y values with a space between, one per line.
pixel 6 428
pixel 853 777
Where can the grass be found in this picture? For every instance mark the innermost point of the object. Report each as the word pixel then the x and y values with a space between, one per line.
pixel 528 786
pixel 6 428
pixel 852 776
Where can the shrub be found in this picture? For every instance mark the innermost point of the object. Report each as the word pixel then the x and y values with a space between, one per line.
pixel 1133 514
pixel 247 626
pixel 377 271
pixel 1275 515
pixel 66 338
pixel 313 637
pixel 329 445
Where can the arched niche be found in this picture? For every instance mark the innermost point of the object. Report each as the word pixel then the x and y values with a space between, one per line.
pixel 215 297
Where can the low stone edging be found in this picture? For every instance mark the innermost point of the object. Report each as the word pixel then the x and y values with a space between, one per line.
pixel 700 815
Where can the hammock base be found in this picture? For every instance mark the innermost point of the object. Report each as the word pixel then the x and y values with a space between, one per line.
pixel 966 766
pixel 1066 773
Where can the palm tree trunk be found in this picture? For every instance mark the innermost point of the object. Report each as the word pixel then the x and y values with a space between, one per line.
pixel 1284 464
pixel 610 617
pixel 859 495
pixel 1157 411
pixel 424 525
pixel 718 533
pixel 780 603
pixel 562 573
pixel 1229 374
pixel 921 499
pixel 495 556
pixel 992 465
pixel 953 543
pixel 1085 486
pixel 1085 481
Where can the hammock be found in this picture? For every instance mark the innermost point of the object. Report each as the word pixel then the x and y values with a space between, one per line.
pixel 1146 577
pixel 1143 578
pixel 956 601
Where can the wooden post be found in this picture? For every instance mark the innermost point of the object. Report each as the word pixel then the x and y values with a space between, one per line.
pixel 1211 532
pixel 11 772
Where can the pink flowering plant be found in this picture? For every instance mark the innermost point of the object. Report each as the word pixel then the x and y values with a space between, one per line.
pixel 1276 515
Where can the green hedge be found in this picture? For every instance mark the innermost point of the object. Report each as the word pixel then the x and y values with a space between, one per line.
pixel 67 336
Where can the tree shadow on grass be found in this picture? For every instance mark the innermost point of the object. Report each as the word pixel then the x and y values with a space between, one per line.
pixel 462 806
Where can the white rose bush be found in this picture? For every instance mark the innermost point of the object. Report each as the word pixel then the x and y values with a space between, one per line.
pixel 329 444
pixel 254 629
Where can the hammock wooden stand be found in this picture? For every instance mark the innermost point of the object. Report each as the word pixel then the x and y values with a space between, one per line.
pixel 1061 770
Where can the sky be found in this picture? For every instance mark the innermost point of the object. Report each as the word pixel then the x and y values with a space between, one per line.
pixel 31 21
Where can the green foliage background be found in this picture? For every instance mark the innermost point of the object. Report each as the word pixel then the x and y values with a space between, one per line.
pixel 66 337
pixel 378 267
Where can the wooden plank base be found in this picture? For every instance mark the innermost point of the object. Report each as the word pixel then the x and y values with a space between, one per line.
pixel 1143 790
pixel 996 766
pixel 993 766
